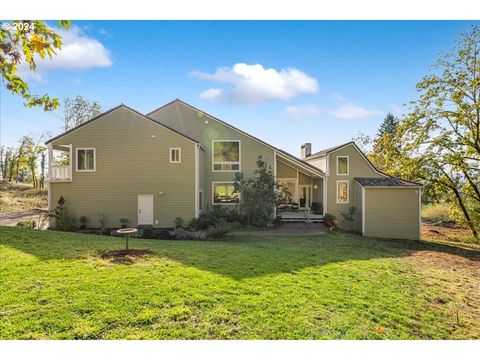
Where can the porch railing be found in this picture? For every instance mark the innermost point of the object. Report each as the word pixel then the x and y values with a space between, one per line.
pixel 60 172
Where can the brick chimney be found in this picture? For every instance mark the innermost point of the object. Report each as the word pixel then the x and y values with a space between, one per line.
pixel 306 150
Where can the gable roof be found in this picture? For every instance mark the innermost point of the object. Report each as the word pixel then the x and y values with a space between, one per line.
pixel 385 182
pixel 329 150
pixel 112 110
pixel 282 152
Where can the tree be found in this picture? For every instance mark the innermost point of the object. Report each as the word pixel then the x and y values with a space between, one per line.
pixel 23 41
pixel 441 135
pixel 388 126
pixel 258 194
pixel 78 110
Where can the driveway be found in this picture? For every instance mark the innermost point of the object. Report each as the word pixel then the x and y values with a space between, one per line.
pixel 12 218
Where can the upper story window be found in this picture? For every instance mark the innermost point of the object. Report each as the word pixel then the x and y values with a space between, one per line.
pixel 85 159
pixel 175 155
pixel 342 165
pixel 226 155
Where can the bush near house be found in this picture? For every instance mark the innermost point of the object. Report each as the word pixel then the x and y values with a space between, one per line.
pixel 438 213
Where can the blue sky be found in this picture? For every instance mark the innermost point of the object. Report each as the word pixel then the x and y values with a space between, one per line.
pixel 286 82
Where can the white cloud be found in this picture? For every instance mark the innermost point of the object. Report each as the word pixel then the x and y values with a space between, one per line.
pixel 78 52
pixel 351 111
pixel 300 112
pixel 253 84
pixel 337 97
pixel 396 109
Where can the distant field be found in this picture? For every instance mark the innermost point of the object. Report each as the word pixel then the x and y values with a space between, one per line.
pixel 57 285
pixel 18 197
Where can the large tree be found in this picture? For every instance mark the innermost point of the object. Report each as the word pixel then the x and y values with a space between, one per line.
pixel 23 41
pixel 78 110
pixel 441 136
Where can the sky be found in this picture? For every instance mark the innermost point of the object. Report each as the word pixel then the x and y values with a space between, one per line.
pixel 285 82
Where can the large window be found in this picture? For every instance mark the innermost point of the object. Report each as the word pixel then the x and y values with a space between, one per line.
pixel 85 159
pixel 342 165
pixel 175 155
pixel 342 192
pixel 224 193
pixel 226 155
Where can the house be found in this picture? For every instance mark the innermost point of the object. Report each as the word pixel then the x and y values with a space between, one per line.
pixel 178 160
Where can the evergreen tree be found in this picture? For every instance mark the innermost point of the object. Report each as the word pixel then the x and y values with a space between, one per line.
pixel 388 126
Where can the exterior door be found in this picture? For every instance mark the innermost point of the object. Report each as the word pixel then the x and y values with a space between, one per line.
pixel 145 209
pixel 305 198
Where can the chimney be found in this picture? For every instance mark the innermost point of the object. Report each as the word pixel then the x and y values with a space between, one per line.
pixel 306 150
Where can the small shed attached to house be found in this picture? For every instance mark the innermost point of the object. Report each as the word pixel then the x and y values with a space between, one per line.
pixel 388 207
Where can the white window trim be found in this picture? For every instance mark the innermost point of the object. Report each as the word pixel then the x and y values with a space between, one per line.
pixel 348 164
pixel 213 192
pixel 94 159
pixel 226 162
pixel 179 155
pixel 348 192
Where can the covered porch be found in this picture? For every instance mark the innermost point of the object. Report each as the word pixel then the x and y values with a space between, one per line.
pixel 59 163
pixel 302 191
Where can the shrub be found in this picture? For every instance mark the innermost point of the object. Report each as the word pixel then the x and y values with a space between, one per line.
pixel 317 208
pixel 438 213
pixel 28 224
pixel 148 233
pixel 123 222
pixel 219 230
pixel 163 235
pixel 330 220
pixel 350 214
pixel 178 222
pixel 63 220
pixel 277 220
pixel 83 220
pixel 192 224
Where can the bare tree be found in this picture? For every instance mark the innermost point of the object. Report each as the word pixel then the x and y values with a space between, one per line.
pixel 78 110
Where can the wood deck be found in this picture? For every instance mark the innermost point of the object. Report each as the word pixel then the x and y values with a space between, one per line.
pixel 299 216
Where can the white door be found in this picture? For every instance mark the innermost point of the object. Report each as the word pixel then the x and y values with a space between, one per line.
pixel 145 209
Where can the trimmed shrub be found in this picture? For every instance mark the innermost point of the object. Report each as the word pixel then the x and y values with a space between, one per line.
pixel 178 222
pixel 330 220
pixel 163 235
pixel 219 230
pixel 148 233
pixel 28 224
pixel 83 220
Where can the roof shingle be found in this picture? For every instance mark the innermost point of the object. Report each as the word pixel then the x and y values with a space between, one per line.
pixel 385 181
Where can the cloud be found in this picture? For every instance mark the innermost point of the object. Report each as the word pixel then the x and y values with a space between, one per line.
pixel 78 52
pixel 396 109
pixel 300 112
pixel 337 97
pixel 254 84
pixel 351 111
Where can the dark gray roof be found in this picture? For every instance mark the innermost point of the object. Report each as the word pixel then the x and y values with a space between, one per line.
pixel 326 151
pixel 385 181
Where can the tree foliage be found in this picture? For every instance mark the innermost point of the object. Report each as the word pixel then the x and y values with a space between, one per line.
pixel 258 194
pixel 78 110
pixel 23 42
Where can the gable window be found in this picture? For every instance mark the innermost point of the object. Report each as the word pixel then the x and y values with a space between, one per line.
pixel 224 193
pixel 342 165
pixel 175 155
pixel 342 192
pixel 85 159
pixel 226 155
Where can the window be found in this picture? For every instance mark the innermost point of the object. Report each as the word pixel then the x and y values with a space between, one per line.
pixel 200 200
pixel 342 192
pixel 226 155
pixel 175 155
pixel 342 165
pixel 224 193
pixel 85 159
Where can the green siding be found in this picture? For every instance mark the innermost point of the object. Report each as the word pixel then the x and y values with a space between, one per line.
pixel 358 167
pixel 204 129
pixel 358 205
pixel 285 171
pixel 392 213
pixel 132 158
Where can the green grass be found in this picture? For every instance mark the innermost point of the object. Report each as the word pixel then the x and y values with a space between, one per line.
pixel 54 285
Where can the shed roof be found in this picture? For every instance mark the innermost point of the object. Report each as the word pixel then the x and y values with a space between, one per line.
pixel 385 181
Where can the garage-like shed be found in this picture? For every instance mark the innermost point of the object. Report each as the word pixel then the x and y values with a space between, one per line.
pixel 388 207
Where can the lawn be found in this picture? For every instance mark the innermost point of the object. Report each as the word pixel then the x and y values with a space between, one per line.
pixel 56 285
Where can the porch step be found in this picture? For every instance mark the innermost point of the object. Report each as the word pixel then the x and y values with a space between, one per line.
pixel 302 219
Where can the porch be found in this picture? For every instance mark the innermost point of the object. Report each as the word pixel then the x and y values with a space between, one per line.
pixel 301 216
pixel 60 163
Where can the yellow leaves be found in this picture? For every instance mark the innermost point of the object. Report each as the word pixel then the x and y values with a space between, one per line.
pixel 379 330
pixel 38 43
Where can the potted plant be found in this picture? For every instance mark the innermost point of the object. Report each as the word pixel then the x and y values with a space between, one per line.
pixel 123 222
pixel 83 222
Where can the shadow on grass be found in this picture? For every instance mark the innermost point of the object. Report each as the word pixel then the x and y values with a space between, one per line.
pixel 235 257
